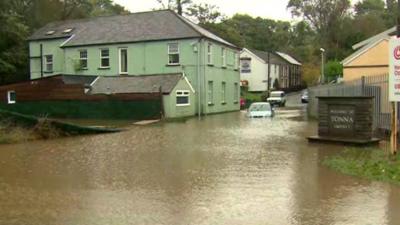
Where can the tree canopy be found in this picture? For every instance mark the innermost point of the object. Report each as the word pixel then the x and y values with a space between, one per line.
pixel 335 25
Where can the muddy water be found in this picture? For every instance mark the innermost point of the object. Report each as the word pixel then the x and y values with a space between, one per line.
pixel 225 169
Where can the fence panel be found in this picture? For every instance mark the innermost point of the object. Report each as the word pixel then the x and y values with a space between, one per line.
pixel 375 86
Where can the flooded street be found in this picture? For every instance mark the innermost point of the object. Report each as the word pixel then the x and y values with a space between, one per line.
pixel 224 169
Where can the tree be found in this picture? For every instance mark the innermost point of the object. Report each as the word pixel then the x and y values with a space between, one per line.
pixel 177 5
pixel 370 6
pixel 311 73
pixel 333 70
pixel 204 13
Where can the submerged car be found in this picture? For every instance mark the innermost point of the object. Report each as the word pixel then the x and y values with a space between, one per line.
pixel 277 98
pixel 304 97
pixel 260 110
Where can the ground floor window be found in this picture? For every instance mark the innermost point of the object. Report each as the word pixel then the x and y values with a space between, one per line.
pixel 210 93
pixel 236 93
pixel 223 93
pixel 11 97
pixel 182 98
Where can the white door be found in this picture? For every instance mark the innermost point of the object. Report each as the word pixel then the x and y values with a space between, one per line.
pixel 123 61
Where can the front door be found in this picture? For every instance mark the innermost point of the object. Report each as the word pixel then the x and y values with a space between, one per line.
pixel 123 61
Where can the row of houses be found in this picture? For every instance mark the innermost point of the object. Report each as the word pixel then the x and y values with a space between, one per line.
pixel 120 58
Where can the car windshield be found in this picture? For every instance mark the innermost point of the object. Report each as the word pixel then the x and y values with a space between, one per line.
pixel 260 107
pixel 276 94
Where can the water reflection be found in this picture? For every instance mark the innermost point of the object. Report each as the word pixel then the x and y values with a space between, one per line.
pixel 224 169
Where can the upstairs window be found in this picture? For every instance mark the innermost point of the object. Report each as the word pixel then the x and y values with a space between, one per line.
pixel 83 59
pixel 236 61
pixel 105 58
pixel 223 56
pixel 11 97
pixel 209 54
pixel 48 63
pixel 182 98
pixel 173 54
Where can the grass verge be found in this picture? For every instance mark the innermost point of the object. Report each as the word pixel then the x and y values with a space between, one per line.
pixel 373 164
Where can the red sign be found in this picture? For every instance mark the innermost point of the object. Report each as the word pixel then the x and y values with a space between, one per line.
pixel 396 53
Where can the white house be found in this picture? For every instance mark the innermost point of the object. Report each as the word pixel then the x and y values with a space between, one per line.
pixel 283 69
pixel 254 70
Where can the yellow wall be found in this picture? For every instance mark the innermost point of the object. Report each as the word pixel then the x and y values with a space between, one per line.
pixel 374 58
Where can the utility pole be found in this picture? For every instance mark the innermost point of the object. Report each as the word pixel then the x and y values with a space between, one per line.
pixel 269 73
pixel 322 65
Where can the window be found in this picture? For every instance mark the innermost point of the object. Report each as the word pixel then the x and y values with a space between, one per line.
pixel 236 93
pixel 104 58
pixel 83 59
pixel 173 54
pixel 182 98
pixel 209 54
pixel 123 61
pixel 223 93
pixel 223 55
pixel 210 92
pixel 236 61
pixel 11 97
pixel 49 63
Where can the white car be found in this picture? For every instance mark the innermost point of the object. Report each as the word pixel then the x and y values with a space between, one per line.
pixel 260 110
pixel 277 98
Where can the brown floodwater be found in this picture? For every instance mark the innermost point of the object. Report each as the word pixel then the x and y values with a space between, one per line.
pixel 224 169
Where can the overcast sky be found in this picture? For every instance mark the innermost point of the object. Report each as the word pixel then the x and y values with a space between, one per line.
pixel 272 9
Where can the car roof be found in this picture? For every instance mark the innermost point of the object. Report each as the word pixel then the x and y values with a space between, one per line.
pixel 260 103
pixel 277 91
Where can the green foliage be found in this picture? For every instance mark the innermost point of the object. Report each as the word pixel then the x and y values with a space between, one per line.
pixel 372 164
pixel 333 70
pixel 311 73
pixel 20 18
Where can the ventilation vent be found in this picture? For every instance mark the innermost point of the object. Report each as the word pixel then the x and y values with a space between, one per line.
pixel 67 31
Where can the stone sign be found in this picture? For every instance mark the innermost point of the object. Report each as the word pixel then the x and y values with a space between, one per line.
pixel 341 120
pixel 345 120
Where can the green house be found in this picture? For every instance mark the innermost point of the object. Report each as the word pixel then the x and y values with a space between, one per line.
pixel 140 44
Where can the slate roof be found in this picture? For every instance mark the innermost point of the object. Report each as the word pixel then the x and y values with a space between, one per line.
pixel 135 84
pixel 289 58
pixel 273 57
pixel 385 34
pixel 135 27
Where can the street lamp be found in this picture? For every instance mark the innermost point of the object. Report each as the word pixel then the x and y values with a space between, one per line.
pixel 322 65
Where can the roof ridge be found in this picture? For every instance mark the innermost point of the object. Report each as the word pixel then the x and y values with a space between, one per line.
pixel 103 16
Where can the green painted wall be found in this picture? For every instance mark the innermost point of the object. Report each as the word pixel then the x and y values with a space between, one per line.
pixel 171 110
pixel 50 47
pixel 152 58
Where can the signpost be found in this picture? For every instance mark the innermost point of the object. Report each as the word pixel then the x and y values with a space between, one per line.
pixel 394 87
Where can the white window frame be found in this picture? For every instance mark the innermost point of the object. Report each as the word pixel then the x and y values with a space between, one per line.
pixel 236 92
pixel 104 57
pixel 83 58
pixel 174 53
pixel 236 63
pixel 9 100
pixel 223 92
pixel 210 92
pixel 47 63
pixel 182 93
pixel 120 62
pixel 210 54
pixel 223 56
